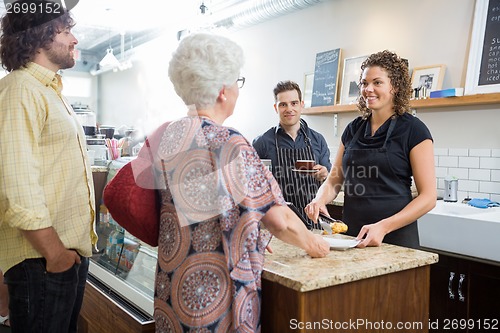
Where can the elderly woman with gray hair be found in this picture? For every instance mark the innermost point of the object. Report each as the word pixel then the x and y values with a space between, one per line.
pixel 220 205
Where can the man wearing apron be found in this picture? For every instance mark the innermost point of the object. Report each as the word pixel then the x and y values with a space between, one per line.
pixel 290 141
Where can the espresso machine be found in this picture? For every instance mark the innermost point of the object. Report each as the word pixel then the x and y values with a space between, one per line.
pixel 87 118
pixel 95 142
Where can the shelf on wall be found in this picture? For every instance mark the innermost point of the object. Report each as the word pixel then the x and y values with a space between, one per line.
pixel 428 103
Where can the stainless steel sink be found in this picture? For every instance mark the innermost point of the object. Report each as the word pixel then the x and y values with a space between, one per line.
pixel 462 229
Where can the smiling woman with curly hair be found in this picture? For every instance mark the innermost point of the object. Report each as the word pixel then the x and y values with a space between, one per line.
pixel 379 154
pixel 397 71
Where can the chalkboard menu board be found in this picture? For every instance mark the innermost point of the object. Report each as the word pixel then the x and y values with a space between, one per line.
pixel 325 82
pixel 489 72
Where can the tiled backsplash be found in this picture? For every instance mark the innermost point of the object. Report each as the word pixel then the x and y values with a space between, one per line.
pixel 477 170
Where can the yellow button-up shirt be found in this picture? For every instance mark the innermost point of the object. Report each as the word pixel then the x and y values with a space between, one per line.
pixel 45 177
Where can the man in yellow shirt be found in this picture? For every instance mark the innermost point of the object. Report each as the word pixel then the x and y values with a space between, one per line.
pixel 46 191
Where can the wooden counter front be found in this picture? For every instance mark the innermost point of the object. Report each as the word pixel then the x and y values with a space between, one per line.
pixel 357 290
pixel 102 314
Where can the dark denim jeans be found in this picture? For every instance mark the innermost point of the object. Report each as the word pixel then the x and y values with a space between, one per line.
pixel 43 302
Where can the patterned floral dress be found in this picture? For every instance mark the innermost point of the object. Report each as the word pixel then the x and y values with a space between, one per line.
pixel 211 243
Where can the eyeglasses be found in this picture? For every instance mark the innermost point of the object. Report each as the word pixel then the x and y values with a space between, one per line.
pixel 241 82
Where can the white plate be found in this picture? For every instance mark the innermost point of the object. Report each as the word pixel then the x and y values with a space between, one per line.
pixel 305 171
pixel 340 243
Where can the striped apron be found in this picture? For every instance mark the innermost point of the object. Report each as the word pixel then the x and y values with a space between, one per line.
pixel 298 188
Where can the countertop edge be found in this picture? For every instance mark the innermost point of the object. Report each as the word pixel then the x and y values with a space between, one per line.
pixel 285 273
pixel 345 278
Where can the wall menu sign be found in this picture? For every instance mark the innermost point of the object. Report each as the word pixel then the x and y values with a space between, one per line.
pixel 489 72
pixel 326 73
pixel 483 70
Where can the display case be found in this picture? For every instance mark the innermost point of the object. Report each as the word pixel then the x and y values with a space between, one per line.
pixel 126 265
pixel 121 272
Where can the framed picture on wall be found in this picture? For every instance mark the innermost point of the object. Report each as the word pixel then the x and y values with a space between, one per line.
pixel 308 89
pixel 350 79
pixel 430 77
pixel 483 68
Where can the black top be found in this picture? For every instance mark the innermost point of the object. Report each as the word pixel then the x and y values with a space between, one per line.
pixel 409 132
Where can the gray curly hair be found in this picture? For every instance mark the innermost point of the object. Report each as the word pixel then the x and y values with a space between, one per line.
pixel 202 65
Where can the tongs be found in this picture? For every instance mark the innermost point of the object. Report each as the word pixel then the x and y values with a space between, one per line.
pixel 324 222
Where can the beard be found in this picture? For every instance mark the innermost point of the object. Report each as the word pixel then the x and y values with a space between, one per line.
pixel 60 55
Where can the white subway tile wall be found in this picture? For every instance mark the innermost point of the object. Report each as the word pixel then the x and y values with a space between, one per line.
pixel 477 170
pixel 333 153
pixel 495 175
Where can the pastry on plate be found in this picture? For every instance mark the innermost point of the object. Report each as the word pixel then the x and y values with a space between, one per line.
pixel 338 227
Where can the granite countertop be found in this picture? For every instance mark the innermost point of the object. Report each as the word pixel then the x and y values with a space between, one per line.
pixel 293 268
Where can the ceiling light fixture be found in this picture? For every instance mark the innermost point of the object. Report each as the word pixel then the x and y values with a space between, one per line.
pixel 110 62
pixel 109 59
